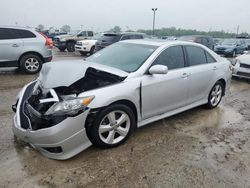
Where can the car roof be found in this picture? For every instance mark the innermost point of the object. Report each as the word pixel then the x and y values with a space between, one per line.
pixel 17 27
pixel 159 42
pixel 124 33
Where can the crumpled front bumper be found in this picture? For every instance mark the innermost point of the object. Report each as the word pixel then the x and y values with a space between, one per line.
pixel 61 141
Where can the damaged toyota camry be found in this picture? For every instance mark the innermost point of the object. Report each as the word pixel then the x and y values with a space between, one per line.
pixel 102 99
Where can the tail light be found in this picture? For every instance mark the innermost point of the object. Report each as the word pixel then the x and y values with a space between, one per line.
pixel 48 41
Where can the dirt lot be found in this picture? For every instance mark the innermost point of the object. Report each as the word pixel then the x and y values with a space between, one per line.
pixel 198 148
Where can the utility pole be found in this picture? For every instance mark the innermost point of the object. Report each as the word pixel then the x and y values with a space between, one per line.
pixel 154 10
pixel 238 28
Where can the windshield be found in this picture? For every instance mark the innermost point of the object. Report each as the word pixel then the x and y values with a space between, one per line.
pixel 229 42
pixel 124 56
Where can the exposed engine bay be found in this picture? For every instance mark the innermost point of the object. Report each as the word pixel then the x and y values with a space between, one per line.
pixel 40 100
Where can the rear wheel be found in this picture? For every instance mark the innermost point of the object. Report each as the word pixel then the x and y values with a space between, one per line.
pixel 62 49
pixel 215 95
pixel 112 126
pixel 70 46
pixel 31 63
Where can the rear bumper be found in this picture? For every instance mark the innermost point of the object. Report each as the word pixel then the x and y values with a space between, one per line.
pixel 48 59
pixel 61 141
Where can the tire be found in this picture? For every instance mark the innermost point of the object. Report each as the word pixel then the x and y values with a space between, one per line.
pixel 215 95
pixel 70 46
pixel 62 49
pixel 92 50
pixel 83 53
pixel 31 63
pixel 104 135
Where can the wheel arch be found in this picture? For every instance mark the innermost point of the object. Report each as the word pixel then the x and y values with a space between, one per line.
pixel 30 52
pixel 71 40
pixel 94 112
pixel 222 80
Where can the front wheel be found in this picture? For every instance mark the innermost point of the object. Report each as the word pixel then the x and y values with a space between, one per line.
pixel 112 126
pixel 215 95
pixel 70 46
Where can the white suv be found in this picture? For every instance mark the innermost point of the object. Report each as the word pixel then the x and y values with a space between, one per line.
pixel 86 46
pixel 24 48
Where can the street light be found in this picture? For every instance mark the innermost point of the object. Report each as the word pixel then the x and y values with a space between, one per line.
pixel 154 10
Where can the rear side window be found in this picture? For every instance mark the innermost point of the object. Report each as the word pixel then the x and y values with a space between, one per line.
pixel 195 55
pixel 90 34
pixel 25 34
pixel 137 36
pixel 7 34
pixel 172 57
pixel 126 37
pixel 210 59
pixel 110 38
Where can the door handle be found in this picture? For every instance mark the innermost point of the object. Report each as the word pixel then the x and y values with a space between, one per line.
pixel 15 45
pixel 214 68
pixel 184 75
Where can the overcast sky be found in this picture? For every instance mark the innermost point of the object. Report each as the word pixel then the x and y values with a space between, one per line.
pixel 101 15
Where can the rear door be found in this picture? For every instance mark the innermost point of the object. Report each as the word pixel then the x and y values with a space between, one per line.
pixel 201 70
pixel 167 92
pixel 10 46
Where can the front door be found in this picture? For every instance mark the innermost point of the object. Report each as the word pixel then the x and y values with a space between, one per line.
pixel 166 92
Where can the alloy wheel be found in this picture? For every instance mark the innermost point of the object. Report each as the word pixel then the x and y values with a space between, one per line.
pixel 114 127
pixel 216 95
pixel 32 64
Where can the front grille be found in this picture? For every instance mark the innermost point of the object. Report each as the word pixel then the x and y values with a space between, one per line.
pixel 221 49
pixel 245 66
pixel 79 43
pixel 24 120
pixel 243 74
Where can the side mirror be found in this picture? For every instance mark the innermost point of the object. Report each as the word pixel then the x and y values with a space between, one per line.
pixel 158 69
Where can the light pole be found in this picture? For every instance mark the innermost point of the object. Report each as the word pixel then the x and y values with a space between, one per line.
pixel 154 10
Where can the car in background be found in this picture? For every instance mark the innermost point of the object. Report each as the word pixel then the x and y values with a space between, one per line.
pixel 201 39
pixel 241 66
pixel 248 43
pixel 110 38
pixel 24 48
pixel 231 47
pixel 127 85
pixel 86 47
pixel 68 41
pixel 51 35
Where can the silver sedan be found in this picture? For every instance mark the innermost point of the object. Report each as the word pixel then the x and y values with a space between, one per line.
pixel 101 100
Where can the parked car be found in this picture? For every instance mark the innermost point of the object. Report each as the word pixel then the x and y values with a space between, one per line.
pixel 110 38
pixel 201 39
pixel 52 35
pixel 231 47
pixel 24 48
pixel 124 86
pixel 68 42
pixel 241 66
pixel 248 43
pixel 86 47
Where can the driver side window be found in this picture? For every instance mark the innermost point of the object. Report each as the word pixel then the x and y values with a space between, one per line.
pixel 172 57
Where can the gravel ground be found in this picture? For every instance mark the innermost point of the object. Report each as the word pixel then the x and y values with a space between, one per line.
pixel 198 148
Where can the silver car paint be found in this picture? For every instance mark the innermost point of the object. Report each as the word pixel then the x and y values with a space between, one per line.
pixel 153 107
pixel 13 49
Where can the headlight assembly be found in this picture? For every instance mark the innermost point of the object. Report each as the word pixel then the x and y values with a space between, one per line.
pixel 70 106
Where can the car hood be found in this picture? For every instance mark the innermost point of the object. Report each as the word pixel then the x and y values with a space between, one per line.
pixel 64 36
pixel 244 59
pixel 65 73
pixel 90 41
